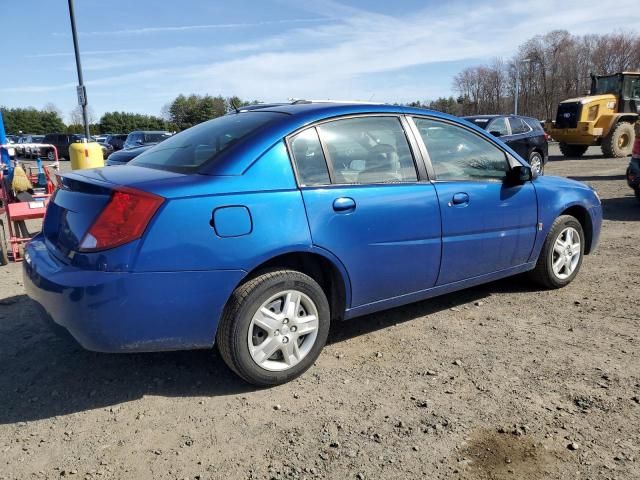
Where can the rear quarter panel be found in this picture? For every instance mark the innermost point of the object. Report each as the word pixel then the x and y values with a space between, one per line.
pixel 181 237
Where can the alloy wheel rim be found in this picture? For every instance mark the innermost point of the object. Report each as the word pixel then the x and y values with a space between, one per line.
pixel 283 330
pixel 566 253
pixel 536 163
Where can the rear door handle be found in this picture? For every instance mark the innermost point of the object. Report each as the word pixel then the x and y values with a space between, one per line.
pixel 344 205
pixel 459 199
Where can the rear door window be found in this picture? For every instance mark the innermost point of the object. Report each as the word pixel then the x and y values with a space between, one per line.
pixel 368 150
pixel 499 126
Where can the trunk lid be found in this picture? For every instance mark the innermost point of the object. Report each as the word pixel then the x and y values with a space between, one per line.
pixel 83 195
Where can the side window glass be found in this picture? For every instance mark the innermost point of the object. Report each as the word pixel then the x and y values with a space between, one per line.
pixel 635 89
pixel 310 161
pixel 368 150
pixel 517 126
pixel 458 154
pixel 499 126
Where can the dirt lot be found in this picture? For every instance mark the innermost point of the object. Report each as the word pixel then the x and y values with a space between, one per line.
pixel 498 382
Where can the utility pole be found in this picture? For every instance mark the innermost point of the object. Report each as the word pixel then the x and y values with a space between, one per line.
pixel 515 102
pixel 82 91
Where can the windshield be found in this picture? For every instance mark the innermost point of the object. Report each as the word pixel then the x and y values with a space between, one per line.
pixel 607 85
pixel 189 150
pixel 37 138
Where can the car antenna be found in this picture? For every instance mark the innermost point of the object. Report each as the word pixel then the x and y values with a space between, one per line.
pixel 233 104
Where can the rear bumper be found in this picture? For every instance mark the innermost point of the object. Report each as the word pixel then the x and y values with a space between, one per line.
pixel 128 312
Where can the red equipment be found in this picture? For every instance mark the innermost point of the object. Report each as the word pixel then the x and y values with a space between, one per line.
pixel 17 212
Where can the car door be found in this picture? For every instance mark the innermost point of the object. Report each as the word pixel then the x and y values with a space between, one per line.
pixel 520 140
pixel 367 204
pixel 487 224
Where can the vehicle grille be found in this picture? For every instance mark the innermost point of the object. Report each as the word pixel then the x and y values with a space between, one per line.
pixel 568 115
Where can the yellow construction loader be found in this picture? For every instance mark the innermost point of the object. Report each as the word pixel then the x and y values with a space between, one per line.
pixel 605 117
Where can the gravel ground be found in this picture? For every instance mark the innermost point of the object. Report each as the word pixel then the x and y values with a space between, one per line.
pixel 501 381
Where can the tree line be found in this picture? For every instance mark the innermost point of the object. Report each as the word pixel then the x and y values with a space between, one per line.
pixel 179 114
pixel 548 68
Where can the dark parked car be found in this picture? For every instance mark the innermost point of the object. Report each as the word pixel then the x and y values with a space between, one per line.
pixel 116 141
pixel 259 229
pixel 124 156
pixel 139 138
pixel 523 134
pixel 61 141
pixel 107 148
pixel 633 171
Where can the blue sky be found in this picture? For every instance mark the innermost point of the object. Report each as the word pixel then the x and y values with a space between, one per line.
pixel 139 54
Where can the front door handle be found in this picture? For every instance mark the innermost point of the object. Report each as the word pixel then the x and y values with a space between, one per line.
pixel 344 204
pixel 459 199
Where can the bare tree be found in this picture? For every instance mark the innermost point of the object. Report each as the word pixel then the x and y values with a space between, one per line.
pixel 76 116
pixel 548 68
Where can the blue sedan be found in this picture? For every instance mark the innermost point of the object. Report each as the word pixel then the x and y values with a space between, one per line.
pixel 256 230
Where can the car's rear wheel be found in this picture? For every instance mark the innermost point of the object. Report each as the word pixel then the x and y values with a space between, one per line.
pixel 537 162
pixel 561 255
pixel 50 156
pixel 274 327
pixel 575 151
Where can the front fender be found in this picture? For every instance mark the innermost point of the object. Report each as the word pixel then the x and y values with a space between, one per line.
pixel 556 196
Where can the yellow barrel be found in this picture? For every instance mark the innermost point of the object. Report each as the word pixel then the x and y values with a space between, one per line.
pixel 86 155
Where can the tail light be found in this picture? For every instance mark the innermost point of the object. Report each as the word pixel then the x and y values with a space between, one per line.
pixel 124 219
pixel 547 137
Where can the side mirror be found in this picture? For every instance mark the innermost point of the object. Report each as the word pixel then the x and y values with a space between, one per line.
pixel 519 175
pixel 495 133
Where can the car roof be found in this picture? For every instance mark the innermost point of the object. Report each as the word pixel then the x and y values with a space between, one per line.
pixel 296 115
pixel 148 131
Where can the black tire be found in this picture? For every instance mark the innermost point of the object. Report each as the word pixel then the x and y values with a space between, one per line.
pixel 536 160
pixel 51 156
pixel 619 142
pixel 4 250
pixel 233 330
pixel 573 151
pixel 543 273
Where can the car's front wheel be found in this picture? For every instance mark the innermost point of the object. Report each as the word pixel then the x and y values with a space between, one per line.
pixel 274 327
pixel 561 256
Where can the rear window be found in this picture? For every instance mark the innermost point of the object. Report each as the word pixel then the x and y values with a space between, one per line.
pixel 533 123
pixel 189 150
pixel 155 137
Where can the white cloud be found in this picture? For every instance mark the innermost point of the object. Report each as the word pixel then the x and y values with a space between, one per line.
pixel 363 55
pixel 190 28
